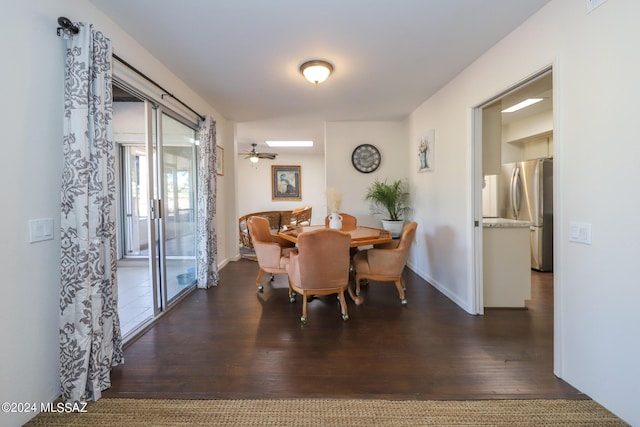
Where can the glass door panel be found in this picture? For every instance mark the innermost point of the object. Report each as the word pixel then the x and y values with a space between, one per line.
pixel 135 279
pixel 179 204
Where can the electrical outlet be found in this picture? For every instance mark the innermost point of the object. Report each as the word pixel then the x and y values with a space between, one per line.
pixel 592 4
pixel 580 232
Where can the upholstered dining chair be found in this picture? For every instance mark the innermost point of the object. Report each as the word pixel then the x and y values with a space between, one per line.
pixel 272 251
pixel 348 221
pixel 320 267
pixel 386 264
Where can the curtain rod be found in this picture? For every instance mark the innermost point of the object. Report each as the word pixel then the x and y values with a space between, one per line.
pixel 67 25
pixel 166 92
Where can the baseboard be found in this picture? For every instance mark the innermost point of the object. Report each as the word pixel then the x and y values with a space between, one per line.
pixel 442 289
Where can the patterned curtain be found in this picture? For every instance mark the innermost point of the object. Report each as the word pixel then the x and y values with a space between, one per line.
pixel 90 336
pixel 206 222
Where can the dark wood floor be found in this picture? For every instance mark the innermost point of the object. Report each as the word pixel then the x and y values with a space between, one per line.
pixel 230 342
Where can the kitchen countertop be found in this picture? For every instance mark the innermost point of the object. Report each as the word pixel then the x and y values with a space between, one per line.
pixel 504 223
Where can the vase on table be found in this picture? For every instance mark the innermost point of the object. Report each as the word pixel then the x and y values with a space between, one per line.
pixel 335 221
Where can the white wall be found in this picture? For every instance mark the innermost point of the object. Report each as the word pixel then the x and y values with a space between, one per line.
pixel 31 119
pixel 341 139
pixel 596 66
pixel 254 185
pixel 226 196
pixel 333 169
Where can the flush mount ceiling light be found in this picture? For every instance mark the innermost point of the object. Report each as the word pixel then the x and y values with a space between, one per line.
pixel 521 105
pixel 316 71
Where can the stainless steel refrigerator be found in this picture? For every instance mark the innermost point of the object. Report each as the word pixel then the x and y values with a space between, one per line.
pixel 525 193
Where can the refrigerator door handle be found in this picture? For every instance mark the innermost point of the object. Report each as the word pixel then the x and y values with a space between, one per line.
pixel 512 191
pixel 538 189
pixel 516 192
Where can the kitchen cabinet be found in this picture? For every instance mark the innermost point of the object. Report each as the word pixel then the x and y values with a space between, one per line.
pixel 491 139
pixel 532 147
pixel 506 253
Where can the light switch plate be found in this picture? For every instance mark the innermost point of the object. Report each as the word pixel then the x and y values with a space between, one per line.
pixel 40 229
pixel 580 232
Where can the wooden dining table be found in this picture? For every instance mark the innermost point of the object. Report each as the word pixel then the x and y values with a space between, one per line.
pixel 360 236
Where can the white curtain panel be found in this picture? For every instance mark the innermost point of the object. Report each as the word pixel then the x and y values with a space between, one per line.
pixel 206 222
pixel 90 336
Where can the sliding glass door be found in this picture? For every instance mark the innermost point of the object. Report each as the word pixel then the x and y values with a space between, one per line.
pixel 179 195
pixel 157 228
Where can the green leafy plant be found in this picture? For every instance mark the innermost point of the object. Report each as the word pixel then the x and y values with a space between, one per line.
pixel 391 200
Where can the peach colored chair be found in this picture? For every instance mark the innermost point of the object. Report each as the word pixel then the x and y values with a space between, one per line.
pixel 386 264
pixel 320 267
pixel 272 251
pixel 348 221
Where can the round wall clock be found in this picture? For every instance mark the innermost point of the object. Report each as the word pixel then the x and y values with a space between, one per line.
pixel 366 158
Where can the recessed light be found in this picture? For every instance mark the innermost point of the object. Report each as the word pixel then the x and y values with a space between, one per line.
pixel 289 143
pixel 521 105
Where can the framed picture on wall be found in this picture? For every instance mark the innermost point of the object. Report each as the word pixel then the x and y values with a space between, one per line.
pixel 426 145
pixel 219 160
pixel 286 183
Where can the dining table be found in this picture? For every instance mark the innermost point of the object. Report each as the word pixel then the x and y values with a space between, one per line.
pixel 360 236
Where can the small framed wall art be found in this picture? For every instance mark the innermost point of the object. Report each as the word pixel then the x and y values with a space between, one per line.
pixel 286 183
pixel 219 160
pixel 426 153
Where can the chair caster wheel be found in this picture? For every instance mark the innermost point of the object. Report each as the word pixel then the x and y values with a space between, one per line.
pixel 345 317
pixel 260 289
pixel 303 319
pixel 403 302
pixel 272 278
pixel 292 299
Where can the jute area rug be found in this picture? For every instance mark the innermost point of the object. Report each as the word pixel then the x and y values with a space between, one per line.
pixel 325 413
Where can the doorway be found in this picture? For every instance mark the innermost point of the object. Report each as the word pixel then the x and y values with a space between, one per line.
pixel 157 207
pixel 501 138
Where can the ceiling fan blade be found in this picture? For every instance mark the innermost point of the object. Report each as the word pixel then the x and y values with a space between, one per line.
pixel 253 153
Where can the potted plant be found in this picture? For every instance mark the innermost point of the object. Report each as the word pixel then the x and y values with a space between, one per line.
pixel 391 201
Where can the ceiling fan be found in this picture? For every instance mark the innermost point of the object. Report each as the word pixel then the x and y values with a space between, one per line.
pixel 254 155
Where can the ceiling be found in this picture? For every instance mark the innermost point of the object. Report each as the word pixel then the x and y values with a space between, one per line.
pixel 243 56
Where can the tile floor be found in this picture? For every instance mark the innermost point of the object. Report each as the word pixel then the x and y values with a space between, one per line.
pixel 135 293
